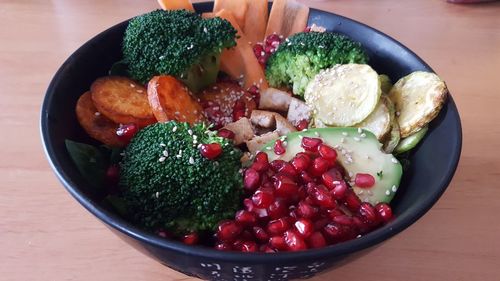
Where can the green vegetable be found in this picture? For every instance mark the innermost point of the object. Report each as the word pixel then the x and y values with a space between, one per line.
pixel 411 141
pixel 298 59
pixel 178 43
pixel 119 68
pixel 168 184
pixel 90 161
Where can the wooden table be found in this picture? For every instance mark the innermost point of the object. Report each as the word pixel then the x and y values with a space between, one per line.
pixel 46 235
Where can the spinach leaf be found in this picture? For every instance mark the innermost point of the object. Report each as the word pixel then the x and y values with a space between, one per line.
pixel 90 161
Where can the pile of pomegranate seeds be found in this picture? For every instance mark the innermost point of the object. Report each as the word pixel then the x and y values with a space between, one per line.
pixel 264 50
pixel 301 204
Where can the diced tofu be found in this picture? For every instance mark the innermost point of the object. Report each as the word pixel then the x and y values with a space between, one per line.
pixel 263 118
pixel 242 130
pixel 283 126
pixel 274 99
pixel 298 111
pixel 258 141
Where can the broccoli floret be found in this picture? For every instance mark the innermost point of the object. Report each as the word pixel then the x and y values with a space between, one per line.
pixel 168 184
pixel 299 58
pixel 178 43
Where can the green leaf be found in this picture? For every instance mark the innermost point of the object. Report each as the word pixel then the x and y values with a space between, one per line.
pixel 90 161
pixel 119 68
pixel 117 203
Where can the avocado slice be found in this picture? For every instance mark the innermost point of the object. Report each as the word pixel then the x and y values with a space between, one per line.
pixel 358 151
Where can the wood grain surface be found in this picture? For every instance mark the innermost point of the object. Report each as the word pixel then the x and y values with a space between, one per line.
pixel 46 235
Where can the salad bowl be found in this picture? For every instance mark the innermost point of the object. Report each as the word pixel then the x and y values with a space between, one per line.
pixel 433 162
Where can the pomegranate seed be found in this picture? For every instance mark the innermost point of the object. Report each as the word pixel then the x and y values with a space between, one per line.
pixel 327 152
pixel 263 59
pixel 267 249
pixel 263 198
pixel 305 210
pixel 288 169
pixel 300 163
pixel 277 164
pixel 211 150
pixel 273 39
pixel 360 225
pixel 249 246
pixel 245 217
pixel 260 234
pixel 343 219
pixel 251 180
pixel 294 214
pixel 319 166
pixel 225 133
pixel 302 124
pixel 322 197
pixel 331 178
pixel 255 92
pixel 164 233
pixel 239 105
pixel 294 242
pixel 364 180
pixel 339 190
pixel 368 212
pixel 126 132
pixel 304 227
pixel 351 200
pixel 334 231
pixel 238 114
pixel 316 240
pixel 258 49
pixel 285 187
pixel 302 193
pixel 259 166
pixel 310 144
pixel 261 157
pixel 320 223
pixel 279 148
pixel 384 211
pixel 223 246
pixel 277 209
pixel 238 244
pixel 190 239
pixel 278 243
pixel 305 177
pixel 277 227
pixel 307 29
pixel 228 231
pixel 113 174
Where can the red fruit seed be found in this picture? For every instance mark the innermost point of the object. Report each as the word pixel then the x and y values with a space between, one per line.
pixel 190 239
pixel 304 227
pixel 327 152
pixel 245 218
pixel 384 211
pixel 228 231
pixel 251 181
pixel 316 240
pixel 263 197
pixel 310 144
pixel 279 147
pixel 225 133
pixel 126 132
pixel 294 242
pixel 211 150
pixel 364 180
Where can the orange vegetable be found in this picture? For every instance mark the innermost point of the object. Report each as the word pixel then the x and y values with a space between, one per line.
pixel 95 124
pixel 237 7
pixel 240 61
pixel 256 20
pixel 287 17
pixel 171 100
pixel 122 100
pixel 176 5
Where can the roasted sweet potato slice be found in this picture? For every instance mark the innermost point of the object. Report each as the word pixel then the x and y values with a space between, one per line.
pixel 122 100
pixel 95 124
pixel 171 100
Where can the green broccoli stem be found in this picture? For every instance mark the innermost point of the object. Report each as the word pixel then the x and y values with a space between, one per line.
pixel 202 74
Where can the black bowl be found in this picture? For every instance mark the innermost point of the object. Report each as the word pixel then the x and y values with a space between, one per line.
pixel 433 163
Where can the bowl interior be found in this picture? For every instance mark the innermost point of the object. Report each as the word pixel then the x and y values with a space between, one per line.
pixel 433 162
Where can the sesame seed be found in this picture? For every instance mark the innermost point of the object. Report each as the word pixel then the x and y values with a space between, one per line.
pixel 157 194
pixel 305 130
pixel 191 160
pixel 174 129
pixel 301 136
pixel 161 57
pixel 342 140
pixel 285 143
pixel 387 192
pixel 161 159
pixel 190 47
pixel 178 156
pixel 195 141
pixel 363 135
pixel 139 91
pixel 350 174
pixel 268 148
pixel 205 30
pixel 360 192
pixel 216 163
pixel 394 160
pixel 177 113
pixel 199 145
pixel 195 137
pixel 190 132
pixel 97 113
pixel 345 134
pixel 316 134
pixel 132 85
pixel 165 153
pixel 336 182
pixel 357 139
pixel 162 145
pixel 394 188
pixel 398 113
pixel 360 130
